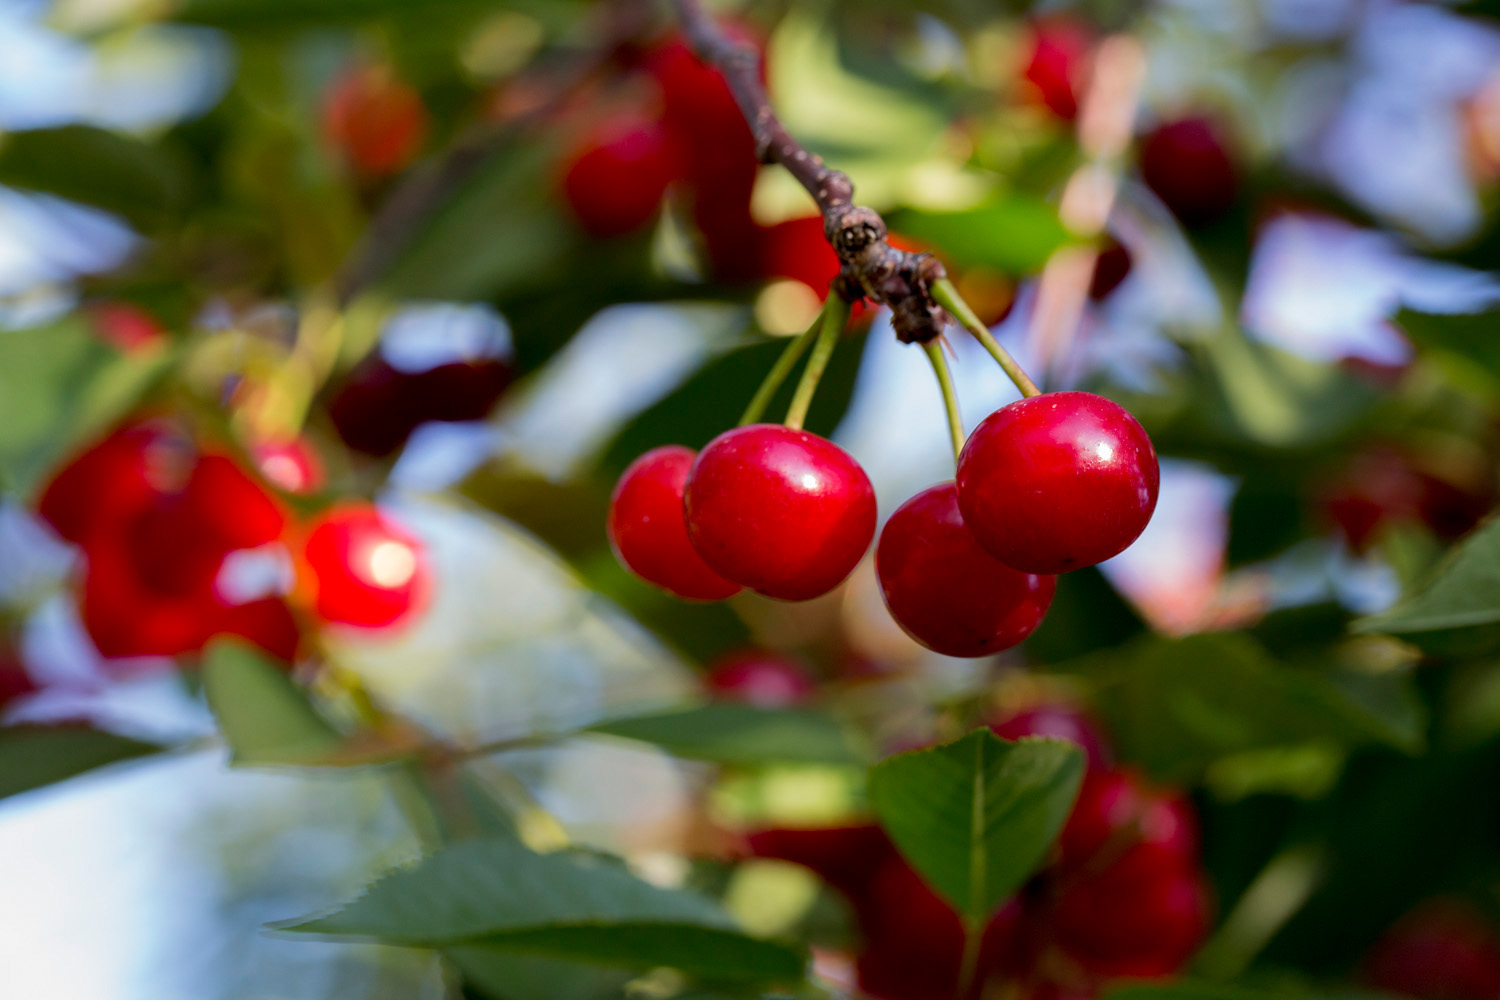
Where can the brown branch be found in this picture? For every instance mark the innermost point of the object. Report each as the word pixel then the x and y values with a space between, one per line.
pixel 872 268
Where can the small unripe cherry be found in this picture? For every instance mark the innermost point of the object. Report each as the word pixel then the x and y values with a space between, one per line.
pixel 1057 482
pixel 782 511
pixel 363 569
pixel 649 534
pixel 756 677
pixel 374 119
pixel 944 590
pixel 618 176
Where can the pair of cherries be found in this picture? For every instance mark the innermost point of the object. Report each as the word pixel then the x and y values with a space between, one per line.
pixel 1045 485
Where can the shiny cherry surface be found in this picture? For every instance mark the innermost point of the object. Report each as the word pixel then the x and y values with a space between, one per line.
pixel 1057 482
pixel 365 570
pixel 779 510
pixel 944 590
pixel 647 530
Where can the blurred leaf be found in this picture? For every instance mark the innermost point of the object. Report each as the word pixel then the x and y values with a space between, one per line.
pixel 264 716
pixel 507 976
pixel 1012 232
pixel 34 756
pixel 60 385
pixel 1475 337
pixel 976 816
pixel 730 733
pixel 103 169
pixel 497 895
pixel 241 14
pixel 1177 705
pixel 1087 614
pixel 1458 610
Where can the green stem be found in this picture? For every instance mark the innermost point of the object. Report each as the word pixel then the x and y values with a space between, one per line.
pixel 947 296
pixel 934 351
pixel 779 371
pixel 835 315
pixel 969 967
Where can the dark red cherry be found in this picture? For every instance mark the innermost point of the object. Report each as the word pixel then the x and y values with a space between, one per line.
pixel 1187 163
pixel 1111 268
pixel 617 179
pixel 648 533
pixel 364 570
pixel 1060 722
pixel 1057 65
pixel 1442 950
pixel 844 856
pixel 15 680
pixel 779 510
pixel 1057 482
pixel 1116 811
pixel 947 592
pixel 756 677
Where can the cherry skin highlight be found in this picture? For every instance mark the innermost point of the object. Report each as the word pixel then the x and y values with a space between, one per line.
pixel 779 510
pixel 1057 482
pixel 948 593
pixel 365 571
pixel 648 533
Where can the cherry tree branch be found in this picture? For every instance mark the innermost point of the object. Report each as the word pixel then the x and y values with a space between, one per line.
pixel 872 268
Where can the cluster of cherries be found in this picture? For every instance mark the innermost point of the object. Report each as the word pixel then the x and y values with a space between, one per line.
pixel 1047 484
pixel 164 518
pixel 1124 893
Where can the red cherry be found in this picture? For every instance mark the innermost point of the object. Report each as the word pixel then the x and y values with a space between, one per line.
pixel 1189 166
pixel 113 480
pixel 914 941
pixel 760 678
pixel 845 857
pixel 15 681
pixel 1111 268
pixel 1060 722
pixel 378 405
pixel 267 622
pixel 616 181
pixel 376 120
pixel 779 510
pixel 290 464
pixel 365 570
pixel 947 592
pixel 1057 482
pixel 648 532
pixel 1058 61
pixel 1116 812
pixel 1442 950
pixel 1144 915
pixel 125 326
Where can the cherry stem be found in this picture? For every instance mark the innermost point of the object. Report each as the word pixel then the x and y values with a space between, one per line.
pixel 946 295
pixel 969 966
pixel 934 349
pixel 779 371
pixel 835 315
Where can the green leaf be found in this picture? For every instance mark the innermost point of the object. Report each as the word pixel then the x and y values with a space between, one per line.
pixel 264 716
pixel 59 386
pixel 34 756
pixel 108 170
pixel 496 894
pixel 1011 232
pixel 1177 705
pixel 976 816
pixel 1473 337
pixel 1458 610
pixel 730 733
pixel 508 976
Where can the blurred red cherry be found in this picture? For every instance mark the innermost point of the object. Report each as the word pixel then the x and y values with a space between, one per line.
pixel 1116 811
pixel 1382 485
pixel 15 680
pixel 1111 268
pixel 377 406
pixel 114 479
pixel 1442 950
pixel 1060 722
pixel 1188 164
pixel 364 570
pixel 844 856
pixel 1058 64
pixel 291 464
pixel 764 679
pixel 125 326
pixel 618 176
pixel 374 119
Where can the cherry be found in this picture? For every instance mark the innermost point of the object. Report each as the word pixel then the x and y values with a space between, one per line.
pixel 1057 482
pixel 125 326
pixel 375 120
pixel 947 592
pixel 15 681
pixel 1143 915
pixel 779 510
pixel 1188 165
pixel 1116 811
pixel 647 530
pixel 845 856
pixel 114 479
pixel 617 179
pixel 364 570
pixel 760 678
pixel 1442 950
pixel 1060 722
pixel 291 464
pixel 1057 65
pixel 1111 268
pixel 1381 485
pixel 378 405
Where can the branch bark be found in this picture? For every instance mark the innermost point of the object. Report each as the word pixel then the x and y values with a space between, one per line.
pixel 871 267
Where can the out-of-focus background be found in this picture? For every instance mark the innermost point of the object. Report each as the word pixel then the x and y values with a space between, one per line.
pixel 466 259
